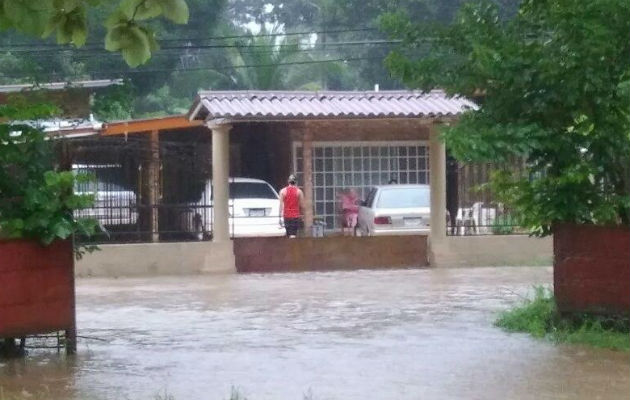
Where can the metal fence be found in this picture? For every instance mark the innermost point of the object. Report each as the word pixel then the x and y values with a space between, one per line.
pixel 145 191
pixel 472 206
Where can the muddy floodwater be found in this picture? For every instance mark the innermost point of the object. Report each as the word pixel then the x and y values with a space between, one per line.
pixel 407 334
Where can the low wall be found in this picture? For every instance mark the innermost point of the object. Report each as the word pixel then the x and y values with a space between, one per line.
pixel 277 254
pixel 592 269
pixel 491 250
pixel 147 259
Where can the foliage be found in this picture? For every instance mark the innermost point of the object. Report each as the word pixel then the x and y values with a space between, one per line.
pixel 68 19
pixel 504 224
pixel 554 85
pixel 162 100
pixel 115 103
pixel 258 62
pixel 540 318
pixel 36 201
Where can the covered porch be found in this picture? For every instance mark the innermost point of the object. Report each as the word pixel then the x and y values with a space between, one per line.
pixel 332 141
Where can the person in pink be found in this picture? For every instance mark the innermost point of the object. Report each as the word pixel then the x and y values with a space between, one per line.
pixel 291 207
pixel 349 209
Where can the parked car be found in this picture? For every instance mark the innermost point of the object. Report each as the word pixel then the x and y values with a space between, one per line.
pixel 254 209
pixel 395 210
pixel 113 204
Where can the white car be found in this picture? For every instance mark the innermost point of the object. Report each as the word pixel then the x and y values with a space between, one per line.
pixel 254 210
pixel 113 204
pixel 395 210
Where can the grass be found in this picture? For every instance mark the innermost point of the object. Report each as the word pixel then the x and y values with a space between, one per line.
pixel 540 318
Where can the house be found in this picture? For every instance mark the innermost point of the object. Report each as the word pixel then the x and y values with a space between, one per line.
pixel 331 140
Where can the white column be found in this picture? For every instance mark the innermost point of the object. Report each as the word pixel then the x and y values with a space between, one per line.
pixel 437 174
pixel 307 168
pixel 220 181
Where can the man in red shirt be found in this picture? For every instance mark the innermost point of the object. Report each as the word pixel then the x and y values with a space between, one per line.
pixel 291 207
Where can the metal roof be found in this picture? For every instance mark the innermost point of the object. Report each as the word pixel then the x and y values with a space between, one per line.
pixel 287 105
pixel 92 84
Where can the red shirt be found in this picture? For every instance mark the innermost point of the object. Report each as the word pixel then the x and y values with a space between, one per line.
pixel 291 206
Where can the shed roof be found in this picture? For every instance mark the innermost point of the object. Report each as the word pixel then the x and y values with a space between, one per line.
pixel 289 105
pixel 90 84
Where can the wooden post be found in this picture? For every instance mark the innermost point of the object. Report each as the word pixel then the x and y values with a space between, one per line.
pixel 307 156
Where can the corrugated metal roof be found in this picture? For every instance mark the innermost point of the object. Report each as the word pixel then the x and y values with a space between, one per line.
pixel 267 105
pixel 92 84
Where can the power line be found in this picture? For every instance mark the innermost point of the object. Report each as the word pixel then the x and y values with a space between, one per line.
pixel 209 46
pixel 222 68
pixel 224 37
pixel 195 52
pixel 219 68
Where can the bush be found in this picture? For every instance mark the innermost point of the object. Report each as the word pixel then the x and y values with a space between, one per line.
pixel 36 199
pixel 503 225
pixel 540 318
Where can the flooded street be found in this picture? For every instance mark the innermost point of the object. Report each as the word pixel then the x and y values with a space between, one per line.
pixel 407 334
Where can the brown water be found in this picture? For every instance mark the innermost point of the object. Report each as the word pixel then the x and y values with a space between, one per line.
pixel 408 334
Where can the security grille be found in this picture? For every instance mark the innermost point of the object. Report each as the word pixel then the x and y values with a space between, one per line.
pixel 360 165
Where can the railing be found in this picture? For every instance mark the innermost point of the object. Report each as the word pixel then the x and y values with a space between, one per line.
pixel 481 219
pixel 473 207
pixel 147 223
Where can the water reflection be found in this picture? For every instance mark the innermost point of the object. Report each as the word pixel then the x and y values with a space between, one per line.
pixel 343 335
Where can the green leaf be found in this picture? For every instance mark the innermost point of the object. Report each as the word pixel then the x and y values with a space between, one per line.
pixel 175 10
pixel 141 9
pixel 116 37
pixel 114 19
pixel 30 17
pixel 132 41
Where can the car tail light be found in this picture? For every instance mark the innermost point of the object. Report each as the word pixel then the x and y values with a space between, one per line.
pixel 382 221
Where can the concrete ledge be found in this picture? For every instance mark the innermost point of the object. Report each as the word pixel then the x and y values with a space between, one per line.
pixel 492 250
pixel 152 259
pixel 278 254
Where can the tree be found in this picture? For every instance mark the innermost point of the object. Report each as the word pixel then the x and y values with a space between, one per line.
pixel 555 84
pixel 268 60
pixel 68 20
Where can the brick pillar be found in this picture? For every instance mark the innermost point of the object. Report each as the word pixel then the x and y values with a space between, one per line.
pixel 307 156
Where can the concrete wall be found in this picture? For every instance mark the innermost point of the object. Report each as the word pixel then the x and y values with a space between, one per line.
pixel 491 250
pixel 329 253
pixel 147 259
pixel 303 254
pixel 592 269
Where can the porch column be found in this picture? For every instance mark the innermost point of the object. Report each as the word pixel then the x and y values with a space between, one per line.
pixel 307 167
pixel 154 185
pixel 220 181
pixel 437 177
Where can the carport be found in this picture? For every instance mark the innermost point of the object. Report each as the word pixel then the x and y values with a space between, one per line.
pixel 304 122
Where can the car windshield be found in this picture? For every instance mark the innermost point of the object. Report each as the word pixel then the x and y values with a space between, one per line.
pixel 404 197
pixel 251 190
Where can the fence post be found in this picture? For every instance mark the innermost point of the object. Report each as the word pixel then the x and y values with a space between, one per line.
pixel 154 184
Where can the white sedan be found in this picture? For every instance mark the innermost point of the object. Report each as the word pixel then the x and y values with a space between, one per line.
pixel 254 209
pixel 395 210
